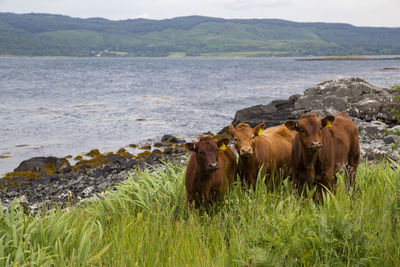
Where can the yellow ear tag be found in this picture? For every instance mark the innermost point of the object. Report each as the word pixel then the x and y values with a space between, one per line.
pixel 328 124
pixel 222 147
pixel 260 132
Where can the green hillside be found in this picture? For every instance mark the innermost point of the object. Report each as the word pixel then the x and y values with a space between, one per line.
pixel 57 35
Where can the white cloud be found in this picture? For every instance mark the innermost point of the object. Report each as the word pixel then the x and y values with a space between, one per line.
pixel 239 4
pixel 144 15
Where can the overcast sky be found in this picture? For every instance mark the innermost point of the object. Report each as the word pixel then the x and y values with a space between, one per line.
pixel 357 12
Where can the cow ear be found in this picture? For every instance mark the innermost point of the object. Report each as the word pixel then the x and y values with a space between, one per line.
pixel 223 143
pixel 191 147
pixel 259 129
pixel 231 130
pixel 327 121
pixel 291 125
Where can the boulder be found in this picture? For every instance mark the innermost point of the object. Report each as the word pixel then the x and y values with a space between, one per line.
pixel 275 113
pixel 172 139
pixel 44 164
pixel 391 139
pixel 368 106
pixel 355 96
pixel 370 130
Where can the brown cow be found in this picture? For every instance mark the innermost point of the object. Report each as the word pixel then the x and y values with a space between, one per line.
pixel 210 171
pixel 321 147
pixel 270 148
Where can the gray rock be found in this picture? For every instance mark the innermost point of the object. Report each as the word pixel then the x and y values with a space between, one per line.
pixel 275 113
pixel 353 95
pixel 66 195
pixel 391 139
pixel 377 149
pixel 81 185
pixel 371 130
pixel 12 194
pixel 62 187
pixel 102 186
pixel 72 183
pixel 88 191
pixel 123 174
pixel 39 164
pixel 172 139
pixel 65 168
pixel 161 144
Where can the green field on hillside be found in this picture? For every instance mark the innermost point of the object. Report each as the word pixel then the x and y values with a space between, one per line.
pixel 146 222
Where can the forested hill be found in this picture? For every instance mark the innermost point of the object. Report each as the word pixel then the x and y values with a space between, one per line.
pixel 57 35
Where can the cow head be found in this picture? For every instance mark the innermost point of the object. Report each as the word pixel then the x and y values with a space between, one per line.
pixel 206 152
pixel 244 137
pixel 309 127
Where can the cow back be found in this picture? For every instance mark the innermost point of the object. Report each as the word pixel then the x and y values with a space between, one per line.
pixel 344 139
pixel 274 147
pixel 226 173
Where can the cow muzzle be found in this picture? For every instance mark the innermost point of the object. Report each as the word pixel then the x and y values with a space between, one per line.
pixel 315 145
pixel 213 167
pixel 246 152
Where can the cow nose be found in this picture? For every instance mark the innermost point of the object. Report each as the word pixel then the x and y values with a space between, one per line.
pixel 213 166
pixel 316 144
pixel 246 151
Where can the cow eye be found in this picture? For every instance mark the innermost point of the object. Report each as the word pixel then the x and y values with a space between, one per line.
pixel 253 137
pixel 201 153
pixel 302 130
pixel 235 139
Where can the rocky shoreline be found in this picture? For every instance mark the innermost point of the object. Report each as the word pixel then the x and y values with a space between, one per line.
pixel 49 181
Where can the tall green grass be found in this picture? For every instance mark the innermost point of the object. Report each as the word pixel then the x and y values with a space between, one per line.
pixel 146 222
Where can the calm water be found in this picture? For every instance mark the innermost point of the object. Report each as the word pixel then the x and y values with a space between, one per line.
pixel 62 106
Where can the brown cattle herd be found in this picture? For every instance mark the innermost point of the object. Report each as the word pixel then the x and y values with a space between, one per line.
pixel 310 151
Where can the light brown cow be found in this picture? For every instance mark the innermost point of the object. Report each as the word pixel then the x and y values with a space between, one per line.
pixel 270 148
pixel 321 148
pixel 210 171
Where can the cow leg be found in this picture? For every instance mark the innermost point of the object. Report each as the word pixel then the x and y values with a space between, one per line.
pixel 352 170
pixel 247 182
pixel 247 178
pixel 325 181
pixel 303 185
pixel 319 196
pixel 354 160
pixel 334 184
pixel 190 202
pixel 253 183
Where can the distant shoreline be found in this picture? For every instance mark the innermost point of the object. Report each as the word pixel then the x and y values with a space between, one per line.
pixel 234 55
pixel 349 58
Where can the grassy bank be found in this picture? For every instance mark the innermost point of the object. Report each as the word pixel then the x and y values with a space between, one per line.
pixel 145 222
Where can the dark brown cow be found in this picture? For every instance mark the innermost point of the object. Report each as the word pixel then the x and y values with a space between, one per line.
pixel 210 171
pixel 321 147
pixel 270 148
